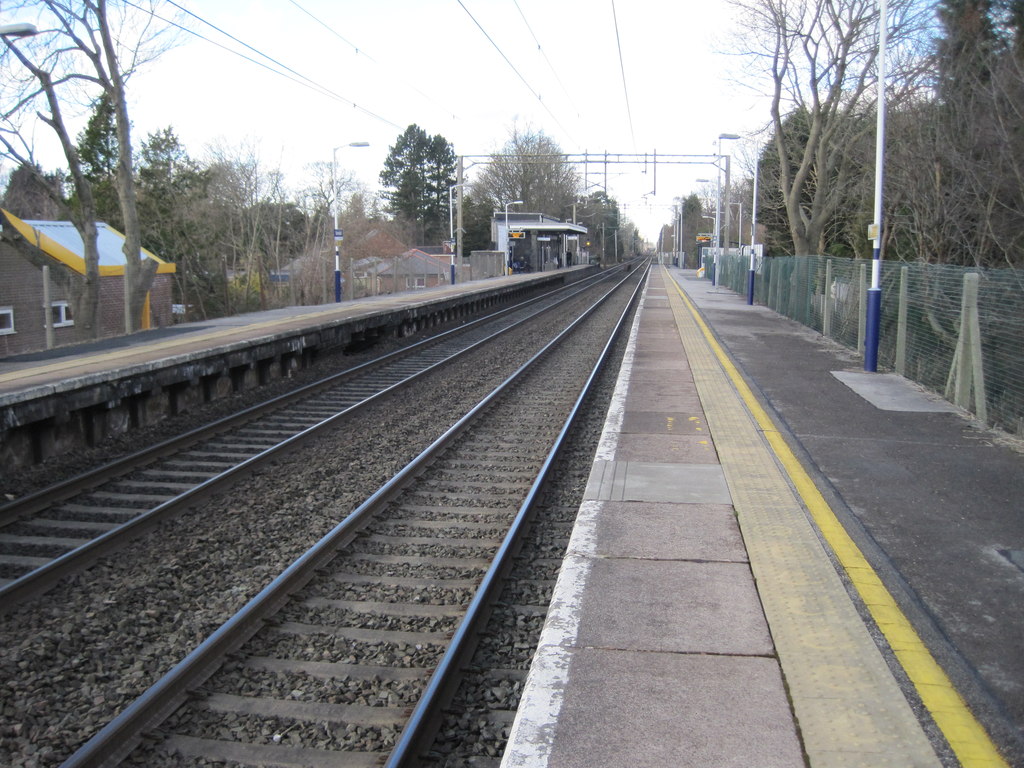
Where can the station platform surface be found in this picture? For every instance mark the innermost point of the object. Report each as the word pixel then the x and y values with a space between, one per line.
pixel 64 367
pixel 780 561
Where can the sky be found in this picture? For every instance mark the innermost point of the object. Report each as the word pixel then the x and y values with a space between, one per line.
pixel 470 70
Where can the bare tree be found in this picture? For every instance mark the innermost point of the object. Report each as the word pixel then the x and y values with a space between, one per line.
pixel 319 200
pixel 529 167
pixel 821 56
pixel 90 47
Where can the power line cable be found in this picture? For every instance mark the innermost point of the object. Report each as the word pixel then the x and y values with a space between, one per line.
pixel 362 52
pixel 302 79
pixel 334 32
pixel 308 84
pixel 529 87
pixel 545 55
pixel 622 67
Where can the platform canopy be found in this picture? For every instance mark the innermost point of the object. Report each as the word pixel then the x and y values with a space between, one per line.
pixel 539 223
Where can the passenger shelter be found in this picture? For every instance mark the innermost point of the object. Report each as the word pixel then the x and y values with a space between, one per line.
pixel 27 246
pixel 535 242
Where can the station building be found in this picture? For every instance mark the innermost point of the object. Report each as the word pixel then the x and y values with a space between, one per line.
pixel 535 242
pixel 28 320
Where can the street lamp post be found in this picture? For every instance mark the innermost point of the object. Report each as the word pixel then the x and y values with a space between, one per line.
pixel 728 218
pixel 338 234
pixel 873 320
pixel 675 241
pixel 677 228
pixel 451 226
pixel 718 231
pixel 713 218
pixel 21 29
pixel 739 220
pixel 753 233
pixel 508 240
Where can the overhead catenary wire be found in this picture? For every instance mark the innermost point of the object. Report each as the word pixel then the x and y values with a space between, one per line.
pixel 284 71
pixel 359 51
pixel 508 61
pixel 622 67
pixel 546 59
pixel 303 82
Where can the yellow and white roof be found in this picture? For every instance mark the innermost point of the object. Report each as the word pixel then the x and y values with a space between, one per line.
pixel 61 241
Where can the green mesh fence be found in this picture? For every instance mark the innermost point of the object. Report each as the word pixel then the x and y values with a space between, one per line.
pixel 829 294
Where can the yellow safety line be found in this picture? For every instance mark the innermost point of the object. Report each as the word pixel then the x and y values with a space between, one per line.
pixel 966 736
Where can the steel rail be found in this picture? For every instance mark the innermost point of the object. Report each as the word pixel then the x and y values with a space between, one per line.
pixel 40 580
pixel 35 502
pixel 418 733
pixel 121 735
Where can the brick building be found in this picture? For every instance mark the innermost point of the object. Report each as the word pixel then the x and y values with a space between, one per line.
pixel 57 244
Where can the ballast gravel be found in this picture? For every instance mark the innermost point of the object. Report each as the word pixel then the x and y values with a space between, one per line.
pixel 71 660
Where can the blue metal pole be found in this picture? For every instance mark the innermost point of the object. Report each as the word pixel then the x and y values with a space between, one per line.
pixel 718 210
pixel 873 319
pixel 872 326
pixel 337 285
pixel 753 233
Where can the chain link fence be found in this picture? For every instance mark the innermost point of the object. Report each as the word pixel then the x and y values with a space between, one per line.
pixel 957 331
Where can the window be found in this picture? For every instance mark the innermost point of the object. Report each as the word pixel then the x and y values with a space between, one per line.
pixel 60 314
pixel 6 320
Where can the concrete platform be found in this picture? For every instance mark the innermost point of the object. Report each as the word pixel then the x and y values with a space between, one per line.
pixel 699 619
pixel 58 401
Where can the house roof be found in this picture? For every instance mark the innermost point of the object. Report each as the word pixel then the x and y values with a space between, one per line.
pixel 413 260
pixel 416 254
pixel 61 241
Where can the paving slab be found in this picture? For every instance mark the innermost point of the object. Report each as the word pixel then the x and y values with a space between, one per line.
pixel 704 532
pixel 663 422
pixel 892 392
pixel 645 481
pixel 684 449
pixel 667 712
pixel 674 606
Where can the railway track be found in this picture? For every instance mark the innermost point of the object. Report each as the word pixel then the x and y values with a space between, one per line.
pixel 60 530
pixel 380 616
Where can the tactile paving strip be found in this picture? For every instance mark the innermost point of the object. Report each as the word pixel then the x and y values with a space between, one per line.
pixel 850 709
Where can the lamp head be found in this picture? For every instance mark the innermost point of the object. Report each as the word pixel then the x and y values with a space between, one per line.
pixel 18 30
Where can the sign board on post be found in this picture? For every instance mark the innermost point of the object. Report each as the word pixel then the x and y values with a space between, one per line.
pixel 517 235
pixel 339 234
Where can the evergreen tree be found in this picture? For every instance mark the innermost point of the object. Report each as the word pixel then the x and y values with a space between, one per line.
pixel 98 151
pixel 171 193
pixel 417 174
pixel 476 220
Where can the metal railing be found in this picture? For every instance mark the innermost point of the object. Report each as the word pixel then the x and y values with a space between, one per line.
pixel 957 331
